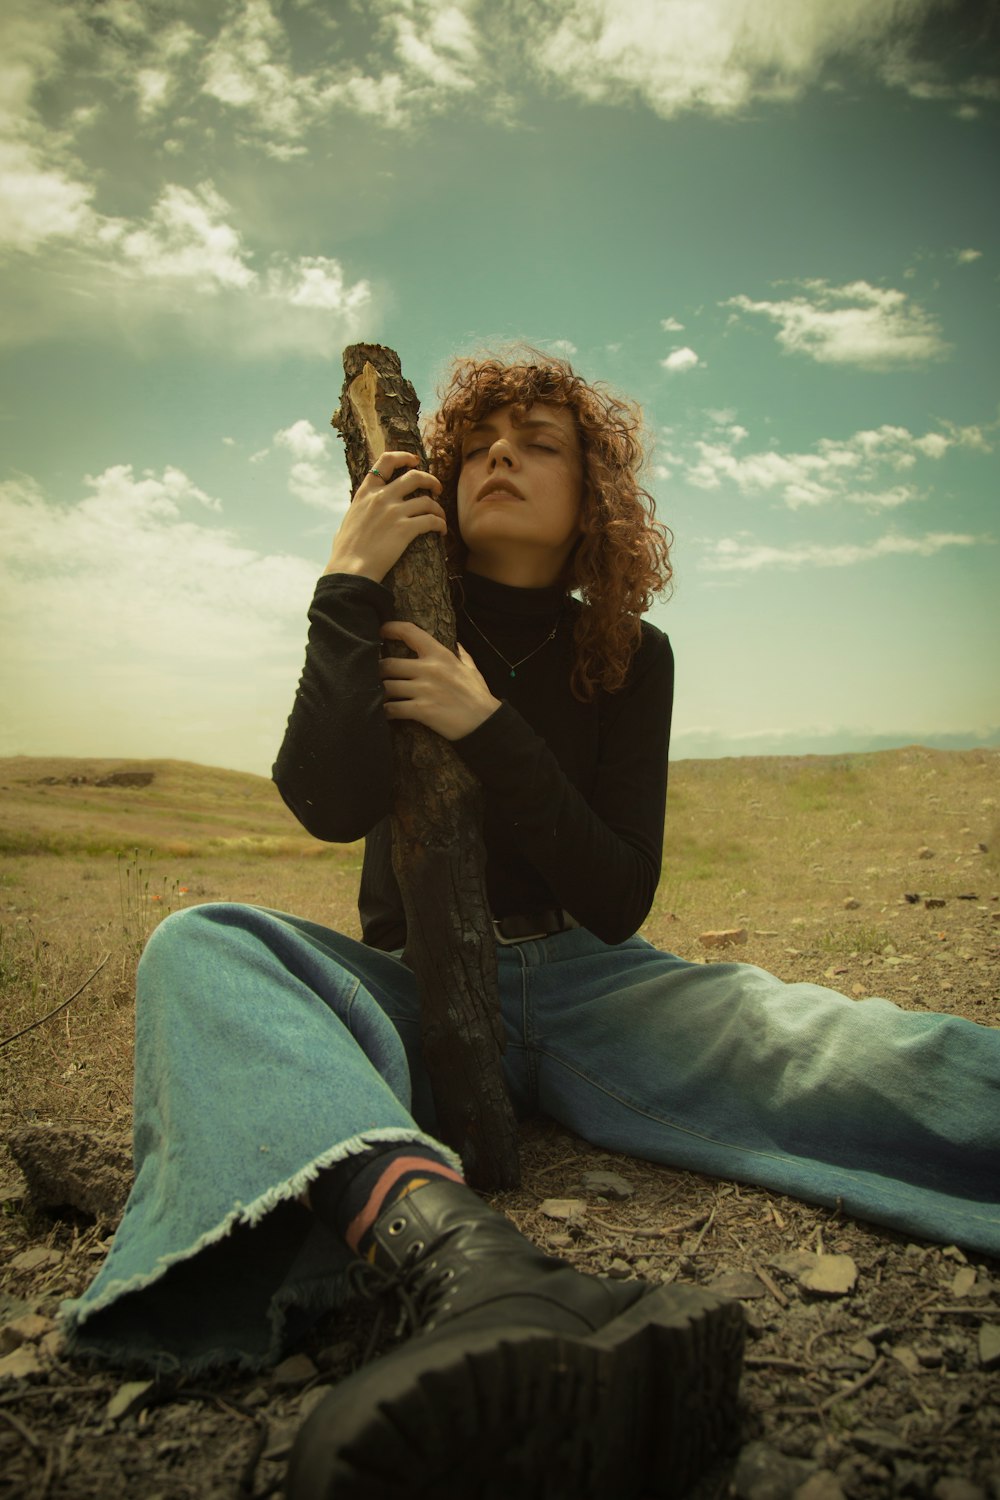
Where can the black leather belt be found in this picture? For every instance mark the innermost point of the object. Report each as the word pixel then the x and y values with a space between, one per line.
pixel 524 927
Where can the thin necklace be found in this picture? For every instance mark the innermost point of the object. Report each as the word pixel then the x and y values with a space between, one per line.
pixel 513 665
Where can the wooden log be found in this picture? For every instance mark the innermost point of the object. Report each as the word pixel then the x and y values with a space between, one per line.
pixel 437 847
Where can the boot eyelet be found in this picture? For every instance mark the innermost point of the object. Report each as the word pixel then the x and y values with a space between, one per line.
pixel 397 1226
pixel 448 1275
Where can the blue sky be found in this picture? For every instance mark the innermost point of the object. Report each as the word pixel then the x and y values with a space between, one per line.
pixel 773 222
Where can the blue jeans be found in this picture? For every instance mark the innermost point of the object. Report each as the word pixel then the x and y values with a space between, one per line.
pixel 268 1047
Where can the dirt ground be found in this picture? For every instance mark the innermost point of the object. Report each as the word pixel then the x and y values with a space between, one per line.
pixel 876 875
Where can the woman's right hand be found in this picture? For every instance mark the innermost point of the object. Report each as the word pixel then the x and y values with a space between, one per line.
pixel 385 516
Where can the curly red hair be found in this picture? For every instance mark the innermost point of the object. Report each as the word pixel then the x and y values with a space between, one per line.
pixel 623 555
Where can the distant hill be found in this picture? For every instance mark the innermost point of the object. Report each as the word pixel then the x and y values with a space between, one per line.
pixel 65 805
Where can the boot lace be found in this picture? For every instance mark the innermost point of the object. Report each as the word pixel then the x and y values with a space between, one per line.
pixel 413 1289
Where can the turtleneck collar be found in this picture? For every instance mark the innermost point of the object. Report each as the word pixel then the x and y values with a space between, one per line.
pixel 484 596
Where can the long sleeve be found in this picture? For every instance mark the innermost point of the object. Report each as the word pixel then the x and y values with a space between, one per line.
pixel 334 768
pixel 597 847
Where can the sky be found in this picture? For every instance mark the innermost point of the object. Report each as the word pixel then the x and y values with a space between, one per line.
pixel 774 223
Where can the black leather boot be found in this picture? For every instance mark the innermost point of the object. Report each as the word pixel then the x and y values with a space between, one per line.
pixel 524 1378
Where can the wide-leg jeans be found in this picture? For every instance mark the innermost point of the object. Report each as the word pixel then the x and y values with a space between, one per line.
pixel 268 1047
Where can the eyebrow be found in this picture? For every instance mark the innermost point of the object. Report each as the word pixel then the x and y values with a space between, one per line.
pixel 487 426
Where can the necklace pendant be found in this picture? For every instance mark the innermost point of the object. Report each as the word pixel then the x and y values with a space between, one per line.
pixel 512 672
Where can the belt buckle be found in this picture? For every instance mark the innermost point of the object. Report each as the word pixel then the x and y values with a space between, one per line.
pixel 512 942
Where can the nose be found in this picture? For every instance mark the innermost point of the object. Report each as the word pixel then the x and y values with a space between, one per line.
pixel 501 454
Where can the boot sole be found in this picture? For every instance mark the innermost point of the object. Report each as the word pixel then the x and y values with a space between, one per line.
pixel 641 1408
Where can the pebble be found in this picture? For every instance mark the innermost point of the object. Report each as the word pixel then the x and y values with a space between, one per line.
pixel 989 1346
pixel 563 1208
pixel 723 938
pixel 36 1258
pixel 295 1370
pixel 128 1399
pixel 24 1364
pixel 963 1281
pixel 851 903
pixel 907 1357
pixel 952 1487
pixel 28 1329
pixel 741 1284
pixel 924 853
pixel 821 1486
pixel 763 1473
pixel 829 1275
pixel 607 1184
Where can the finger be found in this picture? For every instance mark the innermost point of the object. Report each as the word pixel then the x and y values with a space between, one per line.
pixel 411 635
pixel 392 460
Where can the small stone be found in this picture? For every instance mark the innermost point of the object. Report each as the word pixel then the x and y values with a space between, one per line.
pixel 881 1442
pixel 952 1252
pixel 619 1269
pixel 907 1357
pixel 295 1370
pixel 829 1275
pixel 740 1284
pixel 931 902
pixel 563 1208
pixel 726 937
pixel 820 1486
pixel 128 1399
pixel 35 1258
pixel 52 1345
pixel 763 1473
pixel 924 853
pixel 851 903
pixel 989 1346
pixel 24 1364
pixel 607 1184
pixel 953 1487
pixel 929 1355
pixel 864 1349
pixel 833 1275
pixel 857 990
pixel 963 1281
pixel 29 1329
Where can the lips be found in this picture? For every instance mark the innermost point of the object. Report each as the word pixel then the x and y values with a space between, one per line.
pixel 498 487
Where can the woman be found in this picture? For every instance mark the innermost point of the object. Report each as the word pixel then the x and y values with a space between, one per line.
pixel 561 706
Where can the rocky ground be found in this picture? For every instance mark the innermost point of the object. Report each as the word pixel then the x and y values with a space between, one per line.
pixel 872 1364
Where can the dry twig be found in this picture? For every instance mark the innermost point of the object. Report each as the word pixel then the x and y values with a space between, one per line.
pixel 61 1006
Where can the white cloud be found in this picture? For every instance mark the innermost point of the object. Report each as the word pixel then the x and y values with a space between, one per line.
pixel 680 361
pixel 312 477
pixel 712 55
pixel 856 324
pixel 303 441
pixel 846 469
pixel 187 238
pixel 966 257
pixel 671 325
pixel 39 200
pixel 186 271
pixel 731 554
pixel 561 347
pixel 174 610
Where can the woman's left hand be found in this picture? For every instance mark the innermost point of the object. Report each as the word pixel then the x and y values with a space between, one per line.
pixel 435 688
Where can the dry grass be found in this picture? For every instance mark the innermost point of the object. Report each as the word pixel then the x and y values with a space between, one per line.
pixel 773 845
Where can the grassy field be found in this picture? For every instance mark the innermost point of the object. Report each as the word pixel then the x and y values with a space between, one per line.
pixel 773 845
pixel 874 874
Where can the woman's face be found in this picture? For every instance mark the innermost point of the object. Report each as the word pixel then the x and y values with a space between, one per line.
pixel 520 492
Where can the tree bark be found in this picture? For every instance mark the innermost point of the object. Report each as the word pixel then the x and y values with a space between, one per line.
pixel 437 846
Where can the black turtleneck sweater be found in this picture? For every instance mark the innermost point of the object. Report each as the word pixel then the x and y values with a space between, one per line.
pixel 574 793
